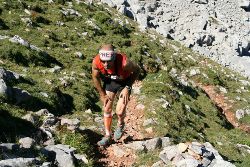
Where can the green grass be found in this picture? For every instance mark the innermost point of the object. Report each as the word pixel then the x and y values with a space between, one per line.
pixel 203 122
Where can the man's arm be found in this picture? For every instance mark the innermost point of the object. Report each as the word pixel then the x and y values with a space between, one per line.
pixel 97 81
pixel 135 71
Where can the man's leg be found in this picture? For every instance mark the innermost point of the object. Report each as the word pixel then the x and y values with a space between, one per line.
pixel 108 113
pixel 107 118
pixel 121 112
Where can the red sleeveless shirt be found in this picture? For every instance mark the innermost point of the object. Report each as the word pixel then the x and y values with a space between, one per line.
pixel 117 69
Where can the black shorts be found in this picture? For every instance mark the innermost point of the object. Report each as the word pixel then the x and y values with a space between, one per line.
pixel 114 86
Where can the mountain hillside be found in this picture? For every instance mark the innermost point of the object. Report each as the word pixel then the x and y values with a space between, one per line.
pixel 50 113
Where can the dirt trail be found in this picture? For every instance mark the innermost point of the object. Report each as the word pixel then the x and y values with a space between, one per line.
pixel 117 154
pixel 225 106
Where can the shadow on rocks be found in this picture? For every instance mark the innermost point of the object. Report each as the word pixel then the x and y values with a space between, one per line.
pixel 12 127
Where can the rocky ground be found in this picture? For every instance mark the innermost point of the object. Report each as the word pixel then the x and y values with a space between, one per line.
pixel 216 29
pixel 119 154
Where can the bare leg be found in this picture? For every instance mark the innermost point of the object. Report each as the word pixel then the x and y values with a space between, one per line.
pixel 108 113
pixel 120 110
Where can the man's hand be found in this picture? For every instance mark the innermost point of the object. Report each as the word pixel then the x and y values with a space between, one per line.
pixel 125 95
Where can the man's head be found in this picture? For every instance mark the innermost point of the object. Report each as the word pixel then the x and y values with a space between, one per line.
pixel 107 52
pixel 107 55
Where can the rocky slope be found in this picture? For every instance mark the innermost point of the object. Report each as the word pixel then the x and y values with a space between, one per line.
pixel 50 114
pixel 216 29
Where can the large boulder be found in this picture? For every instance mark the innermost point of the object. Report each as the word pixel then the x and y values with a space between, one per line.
pixel 20 162
pixel 63 154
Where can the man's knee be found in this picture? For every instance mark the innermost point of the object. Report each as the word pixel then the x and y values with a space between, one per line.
pixel 108 114
pixel 121 114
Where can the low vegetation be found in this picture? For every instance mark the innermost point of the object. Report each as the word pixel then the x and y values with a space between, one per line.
pixel 182 111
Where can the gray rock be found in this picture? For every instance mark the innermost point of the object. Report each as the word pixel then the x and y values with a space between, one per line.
pixel 168 153
pixel 68 12
pixel 240 114
pixel 243 147
pixel 31 118
pixel 42 112
pixel 49 142
pixel 9 146
pixel 136 145
pixel 3 37
pixel 196 148
pixel 46 164
pixel 79 55
pixel 244 4
pixel 153 144
pixel 165 142
pixel 99 119
pixel 19 162
pixel 140 107
pixel 216 29
pixel 194 72
pixel 49 120
pixel 149 121
pixel 55 69
pixel 210 148
pixel 44 94
pixel 187 163
pixel 27 142
pixel 63 154
pixel 3 88
pixel 223 90
pixel 17 39
pixel 206 162
pixel 8 75
pixel 83 158
pixel 72 124
pixel 110 3
pixel 220 163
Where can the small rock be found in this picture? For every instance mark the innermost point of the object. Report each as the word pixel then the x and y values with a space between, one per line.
pixel 83 158
pixel 152 144
pixel 168 153
pixel 149 130
pixel 182 147
pixel 9 146
pixel 88 111
pixel 194 72
pixel 118 152
pixel 149 121
pixel 136 145
pixel 19 162
pixel 55 69
pixel 31 118
pixel 79 55
pixel 44 94
pixel 72 124
pixel 99 119
pixel 27 142
pixel 42 112
pixel 223 90
pixel 220 163
pixel 188 163
pixel 240 114
pixel 140 107
pixel 165 142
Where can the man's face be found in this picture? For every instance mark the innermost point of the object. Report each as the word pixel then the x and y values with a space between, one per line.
pixel 108 64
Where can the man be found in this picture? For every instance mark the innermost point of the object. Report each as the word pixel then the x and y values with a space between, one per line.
pixel 118 74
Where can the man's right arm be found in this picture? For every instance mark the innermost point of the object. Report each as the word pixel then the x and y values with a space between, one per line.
pixel 97 81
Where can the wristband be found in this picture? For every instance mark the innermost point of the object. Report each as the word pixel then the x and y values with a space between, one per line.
pixel 128 87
